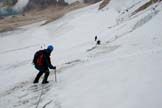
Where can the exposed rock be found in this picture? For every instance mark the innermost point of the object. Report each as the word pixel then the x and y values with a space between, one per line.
pixel 7 11
pixel 42 4
pixel 9 2
pixel 91 1
pixel 104 3
pixel 146 5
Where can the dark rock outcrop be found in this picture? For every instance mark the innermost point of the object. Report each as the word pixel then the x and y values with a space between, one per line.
pixel 91 1
pixel 9 2
pixel 42 4
pixel 104 3
pixel 146 5
pixel 7 11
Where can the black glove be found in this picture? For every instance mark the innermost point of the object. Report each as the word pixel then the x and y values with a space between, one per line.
pixel 54 67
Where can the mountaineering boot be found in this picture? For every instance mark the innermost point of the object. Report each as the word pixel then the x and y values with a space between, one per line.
pixel 45 82
pixel 35 82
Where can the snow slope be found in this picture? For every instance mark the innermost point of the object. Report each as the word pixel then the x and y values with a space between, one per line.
pixel 123 72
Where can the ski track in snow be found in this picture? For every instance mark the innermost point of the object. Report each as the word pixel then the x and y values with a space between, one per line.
pixel 25 94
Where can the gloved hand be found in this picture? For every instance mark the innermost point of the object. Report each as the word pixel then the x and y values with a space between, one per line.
pixel 54 67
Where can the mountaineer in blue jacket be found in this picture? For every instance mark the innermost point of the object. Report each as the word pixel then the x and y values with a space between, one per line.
pixel 42 63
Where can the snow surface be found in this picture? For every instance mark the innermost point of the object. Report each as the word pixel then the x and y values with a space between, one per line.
pixel 123 72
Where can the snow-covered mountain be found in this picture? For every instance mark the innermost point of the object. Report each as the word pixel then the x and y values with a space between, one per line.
pixel 123 72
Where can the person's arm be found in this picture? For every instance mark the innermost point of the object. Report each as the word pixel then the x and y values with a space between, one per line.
pixel 49 63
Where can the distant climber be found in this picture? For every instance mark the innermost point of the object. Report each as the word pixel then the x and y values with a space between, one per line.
pixel 42 63
pixel 95 38
pixel 98 42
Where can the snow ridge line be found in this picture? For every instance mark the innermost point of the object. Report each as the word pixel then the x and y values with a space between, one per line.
pixel 138 24
pixel 145 19
pixel 151 8
pixel 133 5
pixel 129 16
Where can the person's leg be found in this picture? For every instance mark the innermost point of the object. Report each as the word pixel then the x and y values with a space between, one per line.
pixel 46 77
pixel 38 76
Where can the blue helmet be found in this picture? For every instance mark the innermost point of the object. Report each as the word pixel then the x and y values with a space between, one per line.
pixel 50 48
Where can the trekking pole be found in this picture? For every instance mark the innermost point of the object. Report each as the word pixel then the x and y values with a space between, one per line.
pixel 55 76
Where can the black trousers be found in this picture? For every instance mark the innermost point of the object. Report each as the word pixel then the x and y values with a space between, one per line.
pixel 46 72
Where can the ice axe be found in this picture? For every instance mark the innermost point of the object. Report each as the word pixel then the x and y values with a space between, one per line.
pixel 55 75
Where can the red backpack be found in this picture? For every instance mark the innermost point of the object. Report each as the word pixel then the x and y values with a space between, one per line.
pixel 39 59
